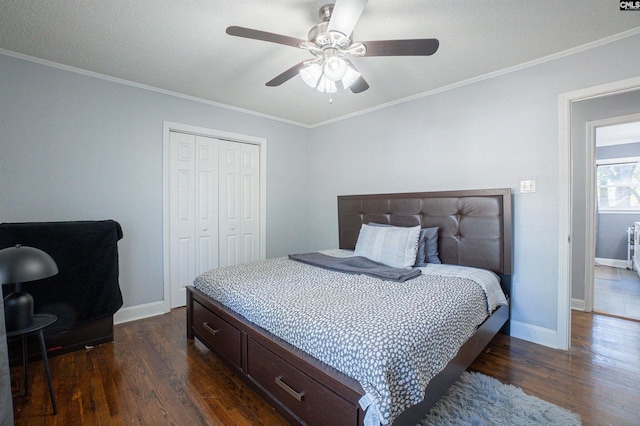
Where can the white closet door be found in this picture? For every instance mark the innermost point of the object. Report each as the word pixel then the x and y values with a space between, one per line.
pixel 206 204
pixel 250 157
pixel 239 225
pixel 214 207
pixel 182 215
pixel 193 195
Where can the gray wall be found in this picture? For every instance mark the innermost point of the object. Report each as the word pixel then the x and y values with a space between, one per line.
pixel 492 133
pixel 75 147
pixel 611 234
pixel 619 151
pixel 583 112
pixel 611 228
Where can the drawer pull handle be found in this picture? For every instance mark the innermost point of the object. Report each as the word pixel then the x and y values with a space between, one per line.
pixel 208 327
pixel 289 389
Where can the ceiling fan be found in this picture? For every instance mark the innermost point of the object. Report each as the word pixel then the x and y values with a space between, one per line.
pixel 331 43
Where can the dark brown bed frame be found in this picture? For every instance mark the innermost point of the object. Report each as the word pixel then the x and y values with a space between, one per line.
pixel 474 229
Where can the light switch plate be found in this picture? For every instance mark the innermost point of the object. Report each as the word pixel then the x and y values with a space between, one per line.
pixel 527 186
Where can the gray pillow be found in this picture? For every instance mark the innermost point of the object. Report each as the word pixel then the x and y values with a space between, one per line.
pixel 393 246
pixel 430 247
pixel 427 245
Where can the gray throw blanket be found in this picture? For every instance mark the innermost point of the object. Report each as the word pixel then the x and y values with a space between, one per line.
pixel 356 265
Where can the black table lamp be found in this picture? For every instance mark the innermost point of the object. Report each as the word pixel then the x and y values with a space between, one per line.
pixel 17 265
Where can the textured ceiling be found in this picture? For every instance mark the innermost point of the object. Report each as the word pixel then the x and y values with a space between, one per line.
pixel 181 46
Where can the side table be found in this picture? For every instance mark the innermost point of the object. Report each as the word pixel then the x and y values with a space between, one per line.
pixel 40 321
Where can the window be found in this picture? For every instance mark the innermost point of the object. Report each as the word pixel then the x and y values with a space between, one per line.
pixel 618 184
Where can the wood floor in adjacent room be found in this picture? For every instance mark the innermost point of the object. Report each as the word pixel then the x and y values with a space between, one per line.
pixel 151 375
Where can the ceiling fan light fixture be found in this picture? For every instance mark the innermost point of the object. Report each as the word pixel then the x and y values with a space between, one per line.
pixel 326 86
pixel 331 44
pixel 350 77
pixel 335 68
pixel 311 74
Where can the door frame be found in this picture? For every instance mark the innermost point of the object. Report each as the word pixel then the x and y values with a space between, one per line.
pixel 565 188
pixel 591 234
pixel 168 127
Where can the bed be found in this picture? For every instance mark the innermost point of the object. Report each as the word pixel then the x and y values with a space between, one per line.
pixel 260 336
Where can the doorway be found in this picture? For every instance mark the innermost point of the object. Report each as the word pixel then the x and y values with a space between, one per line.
pixel 615 285
pixel 574 255
pixel 204 232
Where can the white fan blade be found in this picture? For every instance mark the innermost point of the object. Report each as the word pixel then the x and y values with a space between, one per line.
pixel 345 15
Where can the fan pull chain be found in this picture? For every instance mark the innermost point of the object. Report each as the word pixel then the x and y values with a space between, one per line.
pixel 330 99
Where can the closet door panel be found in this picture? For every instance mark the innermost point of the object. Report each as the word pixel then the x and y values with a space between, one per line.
pixel 206 204
pixel 230 221
pixel 182 245
pixel 214 207
pixel 250 171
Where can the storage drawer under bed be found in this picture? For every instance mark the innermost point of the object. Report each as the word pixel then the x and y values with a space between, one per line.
pixel 304 396
pixel 218 334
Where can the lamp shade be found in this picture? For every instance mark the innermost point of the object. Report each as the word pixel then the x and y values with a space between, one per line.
pixel 350 77
pixel 335 68
pixel 22 264
pixel 311 74
pixel 17 265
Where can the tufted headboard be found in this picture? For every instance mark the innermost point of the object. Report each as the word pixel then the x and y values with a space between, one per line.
pixel 474 226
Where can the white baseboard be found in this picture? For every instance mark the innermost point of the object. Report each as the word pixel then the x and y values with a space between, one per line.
pixel 614 263
pixel 535 334
pixel 577 304
pixel 132 313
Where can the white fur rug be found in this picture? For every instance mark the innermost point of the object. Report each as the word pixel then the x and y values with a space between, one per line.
pixel 479 400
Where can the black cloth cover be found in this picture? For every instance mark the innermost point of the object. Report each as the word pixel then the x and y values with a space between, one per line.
pixel 86 287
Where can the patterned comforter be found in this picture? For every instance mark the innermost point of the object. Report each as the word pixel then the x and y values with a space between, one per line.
pixel 391 337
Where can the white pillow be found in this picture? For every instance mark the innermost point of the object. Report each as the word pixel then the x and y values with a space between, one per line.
pixel 393 246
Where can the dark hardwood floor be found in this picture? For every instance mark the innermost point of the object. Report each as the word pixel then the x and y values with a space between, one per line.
pixel 599 378
pixel 151 375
